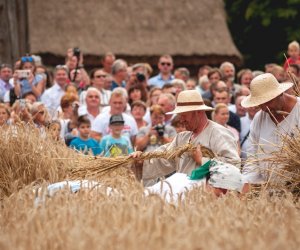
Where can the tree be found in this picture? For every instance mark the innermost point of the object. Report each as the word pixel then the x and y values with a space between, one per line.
pixel 262 29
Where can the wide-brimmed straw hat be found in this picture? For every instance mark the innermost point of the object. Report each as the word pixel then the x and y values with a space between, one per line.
pixel 189 100
pixel 264 88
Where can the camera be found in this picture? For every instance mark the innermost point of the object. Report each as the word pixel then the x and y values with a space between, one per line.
pixel 140 77
pixel 76 52
pixel 160 129
pixel 22 74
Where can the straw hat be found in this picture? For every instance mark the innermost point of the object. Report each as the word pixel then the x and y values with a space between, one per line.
pixel 189 100
pixel 264 88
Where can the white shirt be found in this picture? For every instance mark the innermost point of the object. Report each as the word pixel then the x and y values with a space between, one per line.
pixel 265 138
pixel 51 98
pixel 83 111
pixel 101 125
pixel 245 128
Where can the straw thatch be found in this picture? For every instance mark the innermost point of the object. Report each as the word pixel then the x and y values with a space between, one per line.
pixel 137 28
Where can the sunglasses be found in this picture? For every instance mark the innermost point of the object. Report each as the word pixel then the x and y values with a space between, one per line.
pixel 26 59
pixel 165 63
pixel 100 76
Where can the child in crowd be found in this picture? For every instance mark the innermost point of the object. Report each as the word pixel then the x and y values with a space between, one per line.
pixel 294 54
pixel 115 144
pixel 54 129
pixel 84 143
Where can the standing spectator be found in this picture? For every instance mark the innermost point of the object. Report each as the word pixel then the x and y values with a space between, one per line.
pixel 139 76
pixel 156 134
pixel 92 107
pixel 5 75
pixel 107 62
pixel 222 96
pixel 204 87
pixel 214 75
pixel 294 54
pixel 167 103
pixel 31 83
pixel 98 79
pixel 165 66
pixel 83 142
pixel 100 126
pixel 182 73
pixel 245 77
pixel 138 111
pixel 119 74
pixel 115 144
pixel 228 74
pixel 52 96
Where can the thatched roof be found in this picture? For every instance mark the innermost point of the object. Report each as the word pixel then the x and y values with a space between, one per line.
pixel 140 28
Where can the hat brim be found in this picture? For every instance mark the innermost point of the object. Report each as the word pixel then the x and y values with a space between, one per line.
pixel 182 109
pixel 253 101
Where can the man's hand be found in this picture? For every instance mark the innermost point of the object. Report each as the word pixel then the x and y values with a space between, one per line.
pixel 197 155
pixel 135 155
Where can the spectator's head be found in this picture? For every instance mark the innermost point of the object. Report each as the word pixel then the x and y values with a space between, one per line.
pixel 116 125
pixel 179 85
pixel 71 89
pixel 4 114
pixel 30 97
pixel 61 75
pixel 222 96
pixel 182 73
pixel 84 126
pixel 279 73
pixel 138 110
pixel 165 64
pixel 177 124
pixel 169 88
pixel 157 115
pixel 203 71
pixel 107 62
pixel 92 98
pixel 245 77
pixel 54 129
pixel 240 110
pixel 214 75
pixel 39 114
pixel 118 101
pixel 220 85
pixel 78 77
pixel 98 78
pixel 294 49
pixel 228 71
pixel 167 102
pixel 5 72
pixel 204 83
pixel 119 69
pixel 134 94
pixel 221 114
pixel 191 84
pixel 67 104
pixel 154 95
pixel 27 62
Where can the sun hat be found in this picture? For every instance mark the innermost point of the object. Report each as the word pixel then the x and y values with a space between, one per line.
pixel 189 100
pixel 116 119
pixel 226 176
pixel 264 88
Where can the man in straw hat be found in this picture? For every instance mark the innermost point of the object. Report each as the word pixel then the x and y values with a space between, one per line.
pixel 279 114
pixel 200 131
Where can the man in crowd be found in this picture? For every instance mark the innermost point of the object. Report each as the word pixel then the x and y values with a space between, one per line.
pixel 5 75
pixel 200 130
pixel 119 73
pixel 279 116
pixel 52 96
pixel 92 104
pixel 165 66
pixel 107 62
pixel 100 126
pixel 167 101
pixel 182 73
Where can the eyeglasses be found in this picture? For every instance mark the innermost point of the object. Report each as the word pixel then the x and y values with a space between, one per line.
pixel 100 76
pixel 26 59
pixel 165 63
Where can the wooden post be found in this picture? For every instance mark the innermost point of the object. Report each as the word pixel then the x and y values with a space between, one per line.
pixel 14 30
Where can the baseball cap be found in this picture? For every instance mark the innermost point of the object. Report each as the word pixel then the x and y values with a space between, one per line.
pixel 116 119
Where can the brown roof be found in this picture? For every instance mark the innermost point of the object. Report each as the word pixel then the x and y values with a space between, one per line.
pixel 131 27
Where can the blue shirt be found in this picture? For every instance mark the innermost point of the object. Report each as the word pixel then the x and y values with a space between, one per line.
pixel 112 147
pixel 85 145
pixel 25 86
pixel 115 85
pixel 157 81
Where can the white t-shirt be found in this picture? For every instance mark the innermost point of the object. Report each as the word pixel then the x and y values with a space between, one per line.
pixel 101 125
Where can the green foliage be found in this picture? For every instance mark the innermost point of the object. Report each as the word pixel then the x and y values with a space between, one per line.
pixel 262 29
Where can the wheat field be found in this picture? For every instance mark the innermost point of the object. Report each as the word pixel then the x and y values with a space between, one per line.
pixel 127 219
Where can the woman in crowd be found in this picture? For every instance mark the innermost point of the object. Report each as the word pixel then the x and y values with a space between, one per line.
pixel 138 111
pixel 40 116
pixel 4 115
pixel 136 93
pixel 245 77
pixel 28 82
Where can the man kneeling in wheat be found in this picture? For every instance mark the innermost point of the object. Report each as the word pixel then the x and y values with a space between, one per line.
pixel 200 132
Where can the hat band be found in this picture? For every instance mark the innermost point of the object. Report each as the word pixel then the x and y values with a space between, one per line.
pixel 189 103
